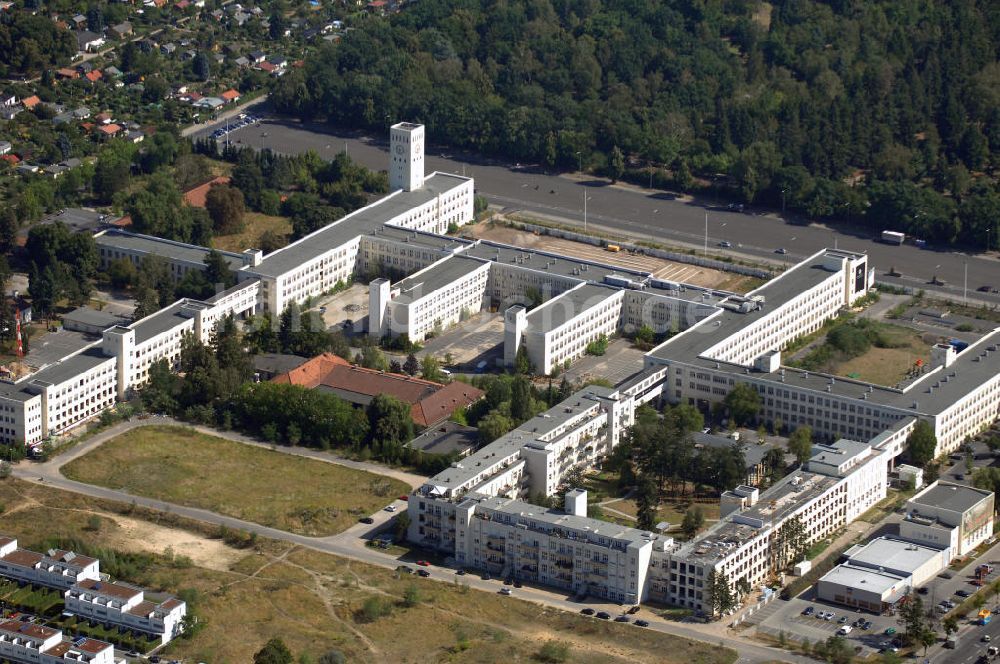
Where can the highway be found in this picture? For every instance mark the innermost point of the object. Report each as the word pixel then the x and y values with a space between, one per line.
pixel 639 214
pixel 351 542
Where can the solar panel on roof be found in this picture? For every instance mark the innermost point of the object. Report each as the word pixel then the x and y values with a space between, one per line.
pixel 78 641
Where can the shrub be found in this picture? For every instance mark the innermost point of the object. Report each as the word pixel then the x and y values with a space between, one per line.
pixel 553 652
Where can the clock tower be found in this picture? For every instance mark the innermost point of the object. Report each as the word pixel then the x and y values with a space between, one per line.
pixel 406 156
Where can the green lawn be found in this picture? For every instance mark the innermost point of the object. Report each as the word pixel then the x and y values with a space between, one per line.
pixel 181 466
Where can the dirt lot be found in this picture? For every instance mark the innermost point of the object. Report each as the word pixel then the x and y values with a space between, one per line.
pixel 314 602
pixel 189 468
pixel 663 269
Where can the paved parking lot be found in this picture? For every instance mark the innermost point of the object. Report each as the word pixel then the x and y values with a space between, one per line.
pixel 351 304
pixel 619 362
pixel 469 343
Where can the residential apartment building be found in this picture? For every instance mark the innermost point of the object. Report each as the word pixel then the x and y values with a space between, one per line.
pixel 28 643
pixel 840 482
pixel 126 607
pixel 54 569
pixel 559 548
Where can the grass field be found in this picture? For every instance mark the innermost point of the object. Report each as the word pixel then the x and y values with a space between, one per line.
pixel 887 366
pixel 255 224
pixel 313 602
pixel 182 466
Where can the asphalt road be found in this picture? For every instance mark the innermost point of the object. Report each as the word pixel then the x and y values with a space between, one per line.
pixel 351 543
pixel 645 214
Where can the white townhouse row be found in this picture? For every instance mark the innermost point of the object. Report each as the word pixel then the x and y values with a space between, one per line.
pixel 88 594
pixel 126 607
pixel 54 569
pixel 28 643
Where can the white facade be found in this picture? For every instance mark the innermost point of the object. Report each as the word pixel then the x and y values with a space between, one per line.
pixel 54 569
pixel 126 607
pixel 406 154
pixel 28 643
pixel 948 515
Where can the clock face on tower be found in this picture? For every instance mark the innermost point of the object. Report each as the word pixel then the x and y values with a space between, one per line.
pixel 417 148
pixel 399 149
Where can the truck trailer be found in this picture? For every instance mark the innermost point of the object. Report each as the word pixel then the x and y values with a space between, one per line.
pixel 893 237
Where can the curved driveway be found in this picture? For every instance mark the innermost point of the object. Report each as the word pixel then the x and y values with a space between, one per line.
pixel 351 543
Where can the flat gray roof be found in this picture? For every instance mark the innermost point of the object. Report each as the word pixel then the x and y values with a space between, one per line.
pixel 955 497
pixel 435 277
pixel 446 438
pixel 893 554
pixel 360 222
pixel 163 320
pixel 778 291
pixel 89 316
pixel 546 262
pixel 542 519
pixel 752 454
pixel 70 367
pixel 174 251
pixel 420 239
pixel 571 303
pixel 869 580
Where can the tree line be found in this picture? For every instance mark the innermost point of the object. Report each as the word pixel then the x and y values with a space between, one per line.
pixel 823 108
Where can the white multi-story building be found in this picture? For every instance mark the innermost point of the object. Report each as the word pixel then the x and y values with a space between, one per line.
pixel 53 569
pixel 428 301
pixel 126 607
pixel 841 482
pixel 563 549
pixel 947 515
pixel 28 643
pixel 180 257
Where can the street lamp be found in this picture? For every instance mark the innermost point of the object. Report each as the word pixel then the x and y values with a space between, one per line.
pixel 579 153
pixel 783 190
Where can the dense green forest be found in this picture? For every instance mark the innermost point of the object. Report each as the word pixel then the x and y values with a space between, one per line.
pixel 833 108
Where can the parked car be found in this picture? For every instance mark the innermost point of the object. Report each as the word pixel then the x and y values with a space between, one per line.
pixel 923 590
pixel 390 508
pixel 641 623
pixel 844 630
pixel 587 611
pixel 843 620
pixel 604 615
pixel 633 610
pixel 963 593
pixel 725 244
pixel 781 250
pixel 405 569
pixel 366 519
pixel 423 563
pixel 829 615
pixel 809 611
pixel 423 572
pixel 460 572
pixel 622 618
pixel 889 631
pixel 505 591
